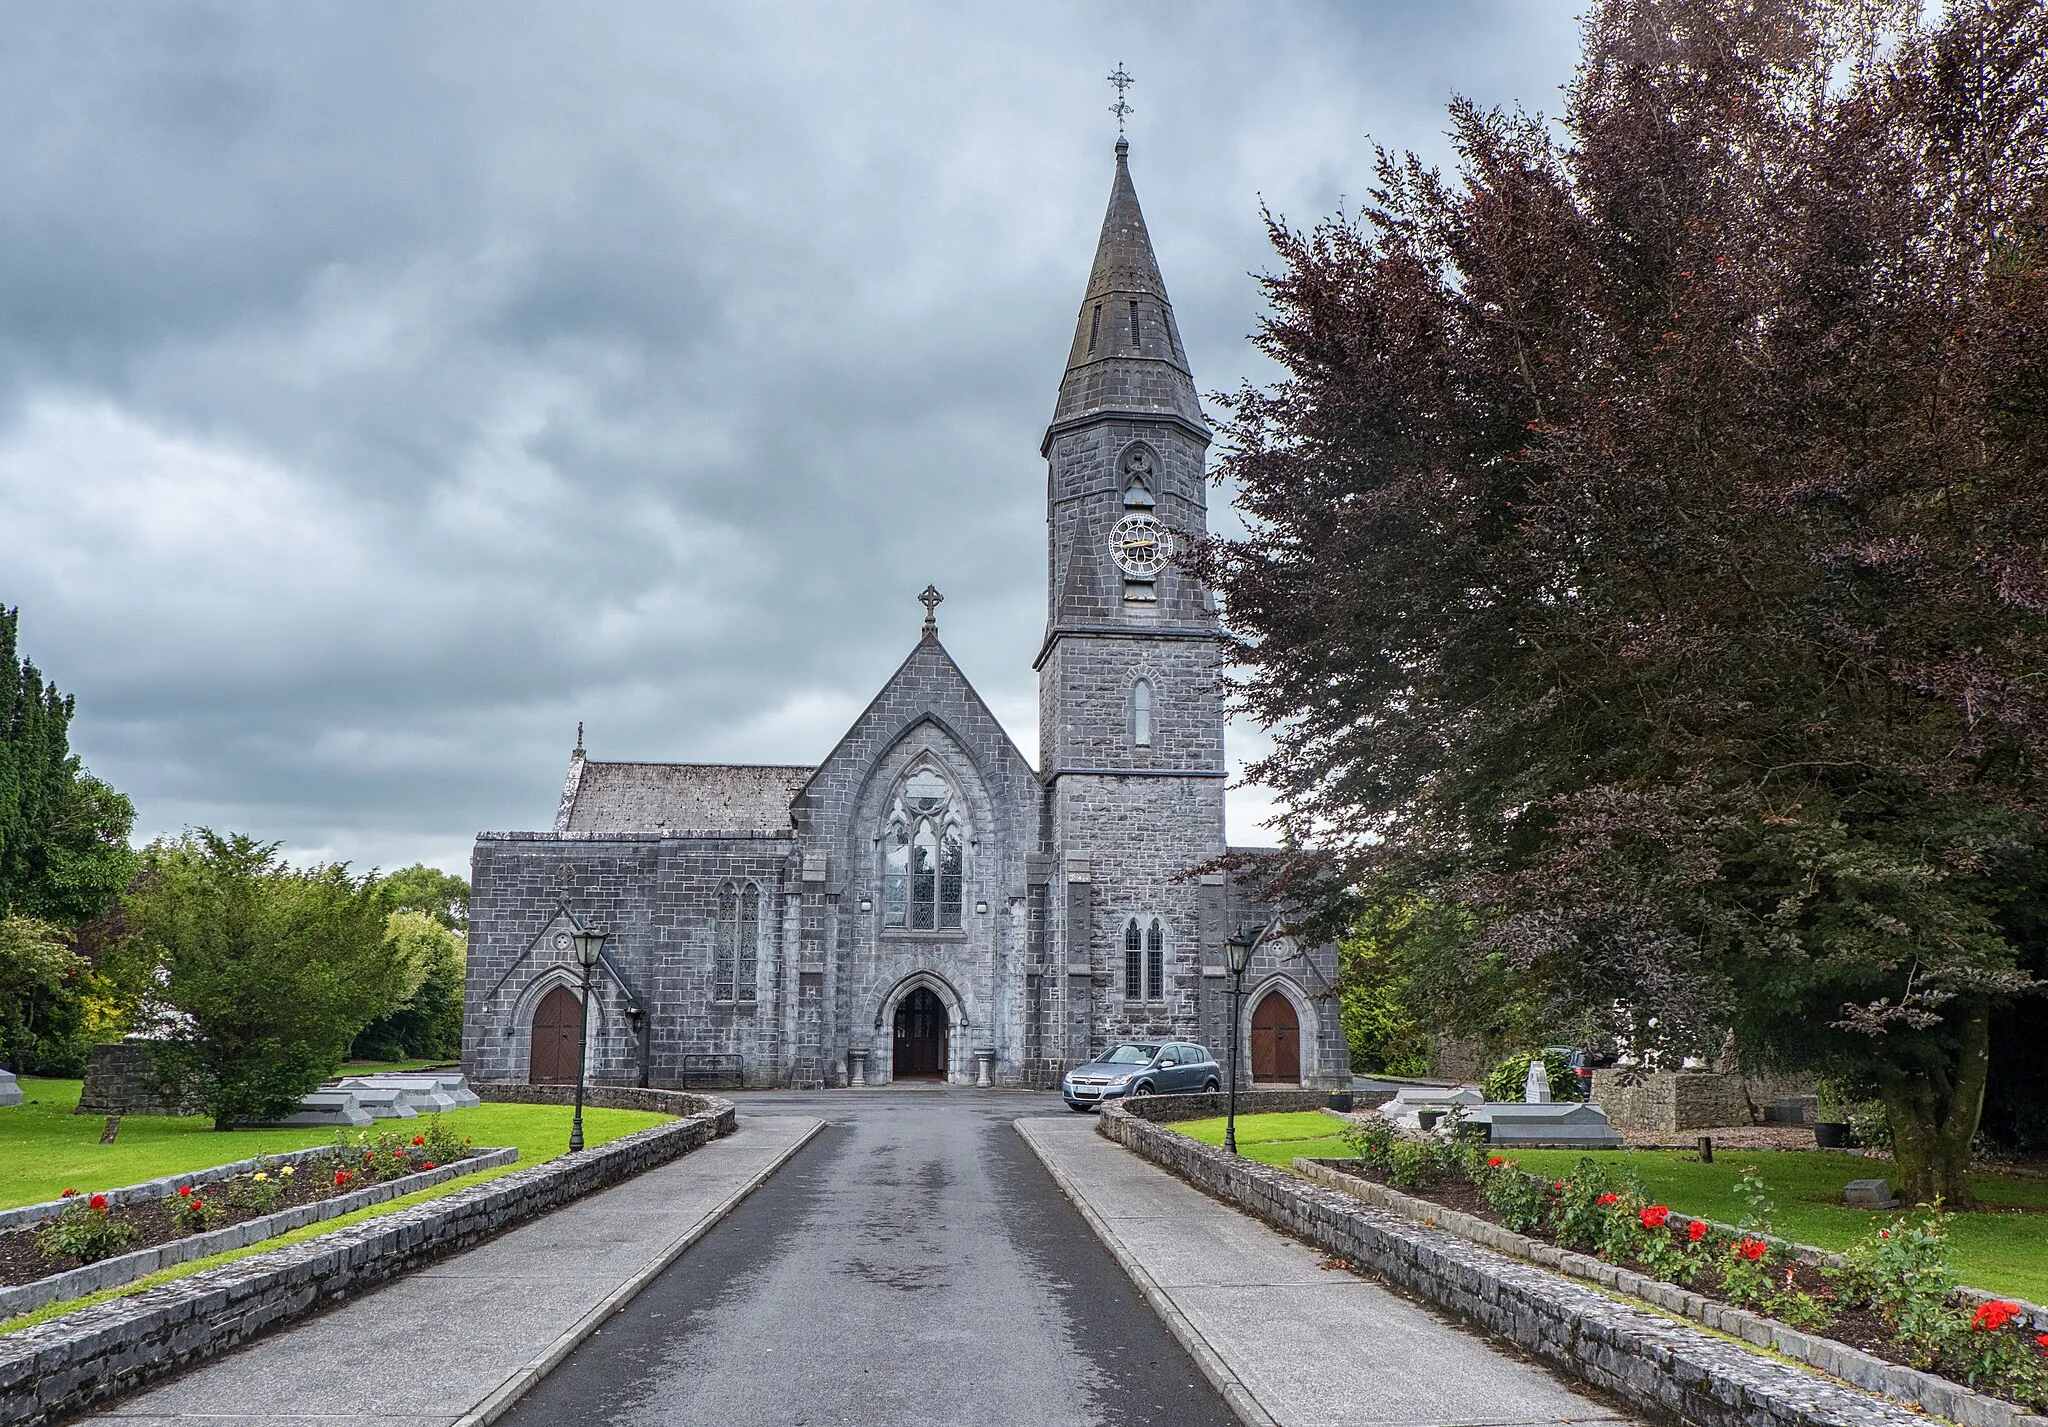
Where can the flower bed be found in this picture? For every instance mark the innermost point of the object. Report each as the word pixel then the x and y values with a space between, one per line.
pixel 1892 1295
pixel 96 1226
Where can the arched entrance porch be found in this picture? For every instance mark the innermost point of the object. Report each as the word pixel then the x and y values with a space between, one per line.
pixel 1276 1041
pixel 920 1035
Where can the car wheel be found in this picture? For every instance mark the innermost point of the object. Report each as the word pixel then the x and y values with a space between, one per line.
pixel 1211 1088
pixel 1142 1088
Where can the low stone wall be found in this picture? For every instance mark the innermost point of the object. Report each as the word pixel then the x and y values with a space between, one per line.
pixel 1672 1101
pixel 55 1369
pixel 609 1097
pixel 1159 1108
pixel 1935 1394
pixel 1656 1366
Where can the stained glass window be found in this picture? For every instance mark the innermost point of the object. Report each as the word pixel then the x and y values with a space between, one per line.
pixel 923 855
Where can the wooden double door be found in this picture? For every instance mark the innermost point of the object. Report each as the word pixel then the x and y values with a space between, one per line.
pixel 919 1048
pixel 1276 1041
pixel 557 1038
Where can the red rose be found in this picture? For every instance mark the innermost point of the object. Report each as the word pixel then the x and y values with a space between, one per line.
pixel 99 1203
pixel 1992 1316
pixel 1752 1249
pixel 1696 1230
pixel 199 1204
pixel 1608 1200
pixel 428 1165
pixel 184 1191
pixel 2042 1339
pixel 340 1177
pixel 1656 1216
pixel 419 1139
pixel 1494 1161
pixel 1557 1184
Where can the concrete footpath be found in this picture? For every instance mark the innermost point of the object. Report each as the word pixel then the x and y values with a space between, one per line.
pixel 453 1345
pixel 1284 1339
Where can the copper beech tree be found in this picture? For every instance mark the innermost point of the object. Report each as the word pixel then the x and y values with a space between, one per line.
pixel 1649 544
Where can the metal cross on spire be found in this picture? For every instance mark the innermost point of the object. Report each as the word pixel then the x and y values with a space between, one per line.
pixel 931 599
pixel 1122 80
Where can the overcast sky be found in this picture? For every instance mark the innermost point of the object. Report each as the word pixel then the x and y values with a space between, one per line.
pixel 386 387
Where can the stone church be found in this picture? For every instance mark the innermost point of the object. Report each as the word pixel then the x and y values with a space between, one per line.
pixel 925 903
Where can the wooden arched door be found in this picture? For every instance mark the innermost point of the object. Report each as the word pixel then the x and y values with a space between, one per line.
pixel 1276 1041
pixel 557 1038
pixel 920 1041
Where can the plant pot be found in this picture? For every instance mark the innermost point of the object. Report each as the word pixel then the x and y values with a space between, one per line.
pixel 1426 1119
pixel 1341 1101
pixel 1831 1134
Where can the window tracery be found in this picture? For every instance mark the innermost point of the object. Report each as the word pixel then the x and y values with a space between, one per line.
pixel 923 854
pixel 736 942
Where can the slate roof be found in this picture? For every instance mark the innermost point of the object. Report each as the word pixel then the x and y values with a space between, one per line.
pixel 680 797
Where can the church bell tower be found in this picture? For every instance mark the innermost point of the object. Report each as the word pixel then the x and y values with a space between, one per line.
pixel 1130 713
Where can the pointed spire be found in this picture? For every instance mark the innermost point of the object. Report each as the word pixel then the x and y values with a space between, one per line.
pixel 1127 354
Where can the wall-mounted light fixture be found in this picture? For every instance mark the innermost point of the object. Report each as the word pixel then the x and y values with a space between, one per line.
pixel 867 904
pixel 981 907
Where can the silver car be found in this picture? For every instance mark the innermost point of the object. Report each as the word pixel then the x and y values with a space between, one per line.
pixel 1141 1068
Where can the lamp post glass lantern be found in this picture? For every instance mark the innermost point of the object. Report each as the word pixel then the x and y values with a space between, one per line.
pixel 1239 951
pixel 589 943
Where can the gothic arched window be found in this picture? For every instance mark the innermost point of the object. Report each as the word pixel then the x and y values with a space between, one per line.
pixel 1155 962
pixel 736 942
pixel 1141 713
pixel 1134 962
pixel 923 857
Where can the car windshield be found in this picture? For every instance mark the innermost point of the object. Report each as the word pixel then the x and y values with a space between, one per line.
pixel 1130 1055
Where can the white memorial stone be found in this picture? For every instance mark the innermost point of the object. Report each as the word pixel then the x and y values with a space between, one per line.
pixel 1563 1126
pixel 1537 1090
pixel 10 1089
pixel 1411 1100
pixel 328 1107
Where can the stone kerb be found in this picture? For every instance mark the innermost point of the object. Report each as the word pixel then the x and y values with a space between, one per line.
pixel 126 1268
pixel 607 1097
pixel 56 1369
pixel 1654 1364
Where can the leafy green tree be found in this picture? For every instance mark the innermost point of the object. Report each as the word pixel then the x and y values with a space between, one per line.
pixel 1648 542
pixel 428 1020
pixel 420 888
pixel 64 853
pixel 42 985
pixel 263 972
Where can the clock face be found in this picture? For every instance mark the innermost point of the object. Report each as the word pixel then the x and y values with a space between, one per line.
pixel 1140 545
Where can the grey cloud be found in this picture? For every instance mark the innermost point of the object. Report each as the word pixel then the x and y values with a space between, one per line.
pixel 384 387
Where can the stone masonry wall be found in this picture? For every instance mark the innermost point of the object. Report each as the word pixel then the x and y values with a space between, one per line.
pixel 122 1079
pixel 1672 1101
pixel 59 1368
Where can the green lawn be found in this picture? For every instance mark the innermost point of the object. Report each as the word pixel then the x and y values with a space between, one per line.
pixel 2002 1249
pixel 46 1149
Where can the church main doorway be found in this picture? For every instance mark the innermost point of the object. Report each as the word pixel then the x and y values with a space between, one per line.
pixel 920 1046
pixel 557 1038
pixel 1276 1041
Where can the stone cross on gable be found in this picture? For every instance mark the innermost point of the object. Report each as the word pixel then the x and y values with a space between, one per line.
pixel 931 599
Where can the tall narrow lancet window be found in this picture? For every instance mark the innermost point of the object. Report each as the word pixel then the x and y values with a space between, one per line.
pixel 749 956
pixel 1155 962
pixel 725 943
pixel 923 855
pixel 1134 962
pixel 1141 713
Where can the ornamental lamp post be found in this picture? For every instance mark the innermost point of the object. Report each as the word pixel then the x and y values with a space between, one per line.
pixel 1239 950
pixel 589 943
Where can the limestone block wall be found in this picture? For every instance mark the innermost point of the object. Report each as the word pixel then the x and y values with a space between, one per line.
pixel 122 1079
pixel 1672 1101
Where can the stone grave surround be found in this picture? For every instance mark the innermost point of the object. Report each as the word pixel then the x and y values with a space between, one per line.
pixel 1411 1100
pixel 925 892
pixel 1673 1101
pixel 10 1090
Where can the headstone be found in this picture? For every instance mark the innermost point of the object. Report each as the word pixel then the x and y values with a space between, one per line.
pixel 328 1108
pixel 1411 1099
pixel 10 1089
pixel 1868 1194
pixel 1558 1125
pixel 1537 1089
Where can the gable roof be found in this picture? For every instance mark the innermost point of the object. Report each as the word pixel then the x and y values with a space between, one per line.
pixel 679 797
